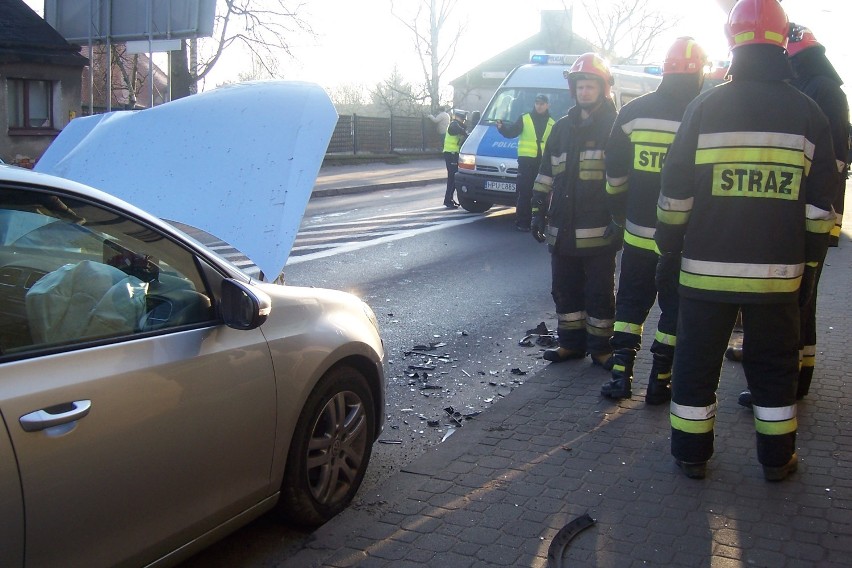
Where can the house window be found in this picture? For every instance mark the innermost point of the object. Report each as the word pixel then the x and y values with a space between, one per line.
pixel 30 103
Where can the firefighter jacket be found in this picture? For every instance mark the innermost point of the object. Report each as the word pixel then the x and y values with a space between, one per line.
pixel 817 78
pixel 572 170
pixel 746 191
pixel 454 137
pixel 533 130
pixel 637 147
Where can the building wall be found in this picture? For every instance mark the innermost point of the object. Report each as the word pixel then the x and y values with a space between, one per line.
pixel 26 149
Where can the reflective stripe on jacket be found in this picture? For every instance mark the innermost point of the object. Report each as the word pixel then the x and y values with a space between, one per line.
pixel 572 168
pixel 635 154
pixel 746 192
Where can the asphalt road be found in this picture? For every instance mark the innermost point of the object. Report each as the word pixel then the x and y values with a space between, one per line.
pixel 454 293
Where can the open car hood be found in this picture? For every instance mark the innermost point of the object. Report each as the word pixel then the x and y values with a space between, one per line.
pixel 238 162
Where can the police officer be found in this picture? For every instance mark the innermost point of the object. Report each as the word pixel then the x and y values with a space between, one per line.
pixel 640 139
pixel 577 221
pixel 816 77
pixel 456 134
pixel 533 129
pixel 746 197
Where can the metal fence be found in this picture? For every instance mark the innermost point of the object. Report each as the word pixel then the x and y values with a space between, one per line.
pixel 355 134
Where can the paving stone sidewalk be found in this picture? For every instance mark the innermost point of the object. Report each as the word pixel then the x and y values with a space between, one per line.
pixel 498 490
pixel 359 178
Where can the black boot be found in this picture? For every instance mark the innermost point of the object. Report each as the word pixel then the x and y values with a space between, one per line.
pixel 693 470
pixel 559 354
pixel 622 375
pixel 660 381
pixel 780 473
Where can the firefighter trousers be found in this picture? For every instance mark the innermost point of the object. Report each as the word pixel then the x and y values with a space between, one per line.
pixel 583 292
pixel 807 340
pixel 527 171
pixel 770 363
pixel 644 277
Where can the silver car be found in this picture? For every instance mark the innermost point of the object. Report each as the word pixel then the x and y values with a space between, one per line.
pixel 153 397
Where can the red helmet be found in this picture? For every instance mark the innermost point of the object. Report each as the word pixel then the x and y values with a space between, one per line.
pixel 590 66
pixel 684 57
pixel 800 38
pixel 757 22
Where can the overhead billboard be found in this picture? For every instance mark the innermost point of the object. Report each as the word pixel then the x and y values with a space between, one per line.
pixel 82 21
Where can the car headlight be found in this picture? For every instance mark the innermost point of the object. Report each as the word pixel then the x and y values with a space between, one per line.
pixel 467 161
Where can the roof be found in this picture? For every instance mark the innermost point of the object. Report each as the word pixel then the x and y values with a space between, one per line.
pixel 25 37
pixel 555 36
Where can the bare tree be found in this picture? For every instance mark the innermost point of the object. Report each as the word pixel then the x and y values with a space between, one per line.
pixel 129 74
pixel 261 26
pixel 626 30
pixel 258 71
pixel 396 97
pixel 350 95
pixel 428 23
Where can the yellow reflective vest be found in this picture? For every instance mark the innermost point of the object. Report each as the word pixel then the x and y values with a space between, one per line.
pixel 453 142
pixel 528 145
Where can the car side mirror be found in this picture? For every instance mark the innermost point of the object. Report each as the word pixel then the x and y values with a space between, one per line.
pixel 242 306
pixel 474 118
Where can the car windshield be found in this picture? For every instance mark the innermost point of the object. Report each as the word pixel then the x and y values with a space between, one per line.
pixel 510 103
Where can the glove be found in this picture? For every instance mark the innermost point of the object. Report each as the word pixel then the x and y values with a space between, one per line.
pixel 667 274
pixel 538 223
pixel 615 232
pixel 808 286
pixel 537 227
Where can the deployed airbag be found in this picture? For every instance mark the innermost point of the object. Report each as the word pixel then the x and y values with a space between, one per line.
pixel 84 300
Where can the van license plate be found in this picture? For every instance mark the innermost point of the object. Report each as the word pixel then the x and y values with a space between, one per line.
pixel 500 185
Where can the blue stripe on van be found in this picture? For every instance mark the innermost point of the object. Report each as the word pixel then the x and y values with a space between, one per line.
pixel 495 144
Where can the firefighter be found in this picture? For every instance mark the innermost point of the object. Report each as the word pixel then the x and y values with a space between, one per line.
pixel 745 198
pixel 635 152
pixel 816 77
pixel 533 129
pixel 577 224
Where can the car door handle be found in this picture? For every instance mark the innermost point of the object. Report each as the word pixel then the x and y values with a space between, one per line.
pixel 55 415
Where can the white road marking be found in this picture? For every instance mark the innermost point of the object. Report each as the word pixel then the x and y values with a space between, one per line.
pixel 388 236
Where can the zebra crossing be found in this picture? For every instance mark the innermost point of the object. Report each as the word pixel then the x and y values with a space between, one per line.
pixel 322 240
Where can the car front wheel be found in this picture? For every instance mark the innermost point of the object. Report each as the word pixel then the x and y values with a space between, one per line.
pixel 473 205
pixel 330 450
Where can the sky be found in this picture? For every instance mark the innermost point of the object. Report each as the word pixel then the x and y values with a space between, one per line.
pixel 360 42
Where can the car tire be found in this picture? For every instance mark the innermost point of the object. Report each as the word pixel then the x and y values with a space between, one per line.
pixel 474 206
pixel 330 449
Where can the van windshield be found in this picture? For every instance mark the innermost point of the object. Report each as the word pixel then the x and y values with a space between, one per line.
pixel 510 103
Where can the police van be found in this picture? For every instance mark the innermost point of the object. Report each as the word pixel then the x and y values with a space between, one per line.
pixel 488 161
